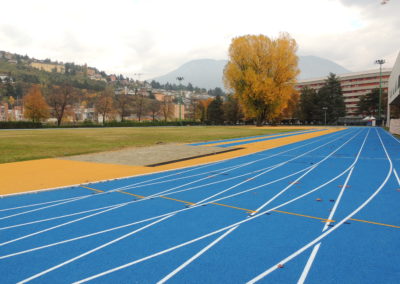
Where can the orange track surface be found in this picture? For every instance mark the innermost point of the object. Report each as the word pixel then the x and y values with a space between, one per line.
pixel 50 173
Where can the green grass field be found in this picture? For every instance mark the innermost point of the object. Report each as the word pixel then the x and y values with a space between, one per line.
pixel 22 145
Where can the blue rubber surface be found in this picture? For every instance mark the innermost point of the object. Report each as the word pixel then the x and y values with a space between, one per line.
pixel 183 232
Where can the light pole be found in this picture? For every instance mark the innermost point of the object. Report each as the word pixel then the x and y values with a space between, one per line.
pixel 380 62
pixel 325 109
pixel 180 79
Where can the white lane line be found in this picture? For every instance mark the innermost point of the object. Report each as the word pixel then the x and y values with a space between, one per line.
pixel 314 252
pixel 92 250
pixel 303 175
pixel 194 257
pixel 54 218
pixel 58 226
pixel 37 204
pixel 397 177
pixel 83 236
pixel 117 206
pixel 177 270
pixel 159 216
pixel 309 264
pixel 217 231
pixel 181 172
pixel 273 168
pixel 338 225
pixel 45 207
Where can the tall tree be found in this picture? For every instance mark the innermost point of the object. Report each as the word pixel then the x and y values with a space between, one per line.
pixel 369 103
pixel 154 108
pixel 308 104
pixel 124 105
pixel 166 107
pixel 262 73
pixel 59 97
pixel 232 110
pixel 215 112
pixel 35 106
pixel 104 104
pixel 330 95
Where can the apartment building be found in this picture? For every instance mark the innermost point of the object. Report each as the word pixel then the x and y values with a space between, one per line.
pixel 354 85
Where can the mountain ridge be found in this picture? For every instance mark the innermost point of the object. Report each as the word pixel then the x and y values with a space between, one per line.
pixel 207 73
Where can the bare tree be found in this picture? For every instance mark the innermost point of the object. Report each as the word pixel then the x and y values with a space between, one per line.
pixel 124 104
pixel 154 108
pixel 104 104
pixel 58 98
pixel 167 107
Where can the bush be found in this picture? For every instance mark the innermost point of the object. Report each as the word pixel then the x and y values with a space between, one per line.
pixel 19 124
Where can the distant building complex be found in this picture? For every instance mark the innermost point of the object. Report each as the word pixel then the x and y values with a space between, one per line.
pixel 354 85
pixel 394 96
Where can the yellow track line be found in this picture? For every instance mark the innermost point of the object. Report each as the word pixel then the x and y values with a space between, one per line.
pixel 307 216
pixel 252 211
pixel 375 223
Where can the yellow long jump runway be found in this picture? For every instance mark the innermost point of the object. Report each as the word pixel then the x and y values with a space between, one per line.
pixel 44 174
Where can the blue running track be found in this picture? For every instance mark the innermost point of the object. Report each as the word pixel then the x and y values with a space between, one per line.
pixel 324 210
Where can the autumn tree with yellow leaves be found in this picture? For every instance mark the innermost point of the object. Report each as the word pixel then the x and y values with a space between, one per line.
pixel 261 72
pixel 35 106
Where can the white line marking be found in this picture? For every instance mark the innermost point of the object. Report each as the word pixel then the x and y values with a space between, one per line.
pixel 338 225
pixel 37 204
pixel 309 264
pixel 197 255
pixel 226 197
pixel 397 177
pixel 326 226
pixel 214 232
pixel 92 250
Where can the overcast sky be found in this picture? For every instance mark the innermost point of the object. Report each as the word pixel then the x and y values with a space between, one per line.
pixel 154 37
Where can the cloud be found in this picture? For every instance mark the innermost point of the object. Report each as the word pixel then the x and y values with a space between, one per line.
pixel 155 36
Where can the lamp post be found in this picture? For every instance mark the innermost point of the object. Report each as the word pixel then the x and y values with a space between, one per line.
pixel 180 79
pixel 325 109
pixel 380 62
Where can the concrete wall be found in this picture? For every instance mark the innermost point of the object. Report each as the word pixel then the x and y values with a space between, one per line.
pixel 395 126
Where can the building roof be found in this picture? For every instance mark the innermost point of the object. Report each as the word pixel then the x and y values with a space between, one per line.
pixel 348 75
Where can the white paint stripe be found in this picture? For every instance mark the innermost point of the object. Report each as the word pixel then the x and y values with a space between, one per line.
pixel 303 175
pixel 397 177
pixel 151 196
pixel 148 174
pixel 217 231
pixel 197 255
pixel 58 226
pixel 275 167
pixel 170 275
pixel 326 226
pixel 54 218
pixel 335 206
pixel 37 204
pixel 83 237
pixel 338 225
pixel 92 251
pixel 121 206
pixel 309 264
pixel 42 208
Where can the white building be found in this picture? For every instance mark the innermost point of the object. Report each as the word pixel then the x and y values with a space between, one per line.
pixel 354 85
pixel 394 96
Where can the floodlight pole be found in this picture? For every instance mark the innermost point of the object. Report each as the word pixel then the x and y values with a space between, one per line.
pixel 180 79
pixel 380 62
pixel 325 109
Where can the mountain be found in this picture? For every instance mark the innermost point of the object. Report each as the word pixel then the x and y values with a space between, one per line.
pixel 207 73
pixel 314 67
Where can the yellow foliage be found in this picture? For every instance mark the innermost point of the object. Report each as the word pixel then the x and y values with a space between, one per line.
pixel 35 106
pixel 262 72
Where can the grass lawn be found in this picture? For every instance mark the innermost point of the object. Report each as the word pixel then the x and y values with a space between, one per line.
pixel 21 145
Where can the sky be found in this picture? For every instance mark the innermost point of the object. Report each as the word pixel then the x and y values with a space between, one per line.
pixel 154 37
